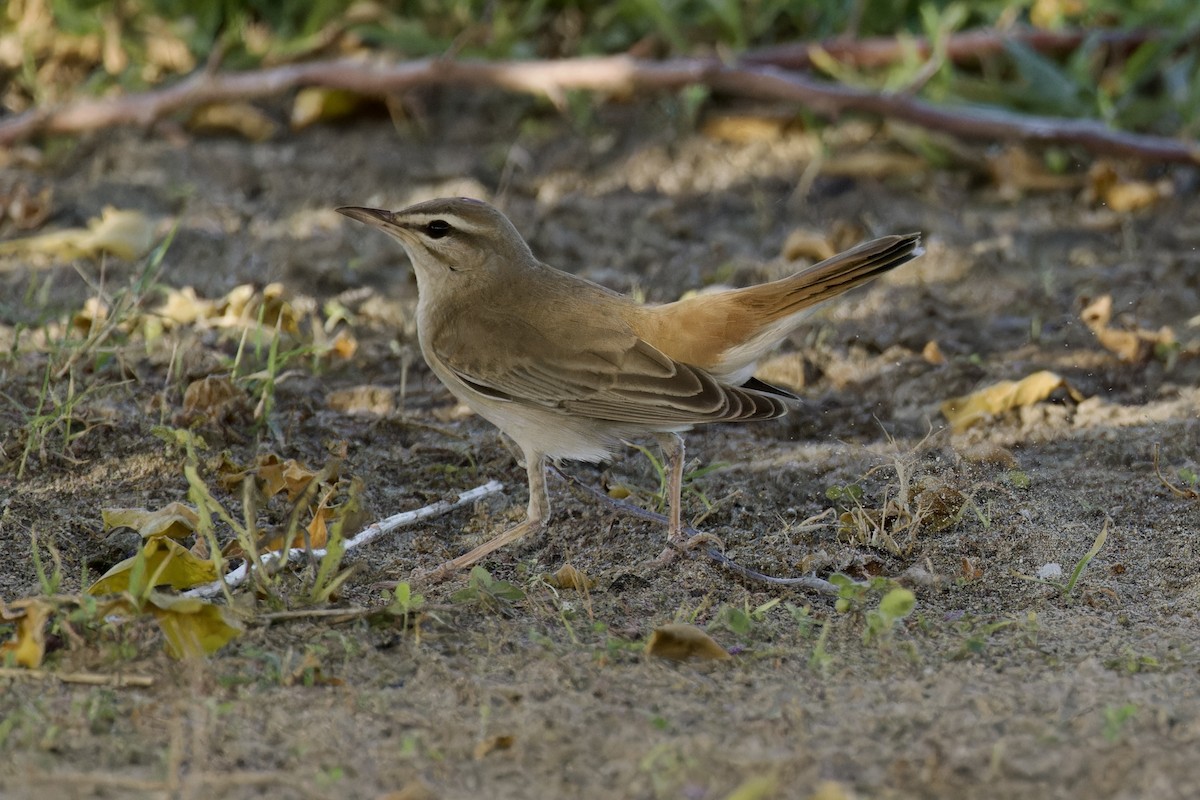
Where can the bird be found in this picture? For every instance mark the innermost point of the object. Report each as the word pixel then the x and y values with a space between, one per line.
pixel 571 370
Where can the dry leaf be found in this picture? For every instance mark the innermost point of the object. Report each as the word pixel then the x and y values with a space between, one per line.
pixel 932 353
pixel 786 370
pixel 492 744
pixel 568 577
pixel 214 398
pixel 90 317
pixel 370 400
pixel 24 210
pixel 1107 187
pixel 245 306
pixel 240 118
pixel 275 476
pixel 963 412
pixel 619 492
pixel 807 244
pixel 938 504
pixel 174 520
pixel 745 128
pixel 296 478
pixel 1136 345
pixel 988 453
pixel 165 51
pixel 452 413
pixel 832 790
pixel 876 164
pixel 184 307
pixel 318 527
pixel 344 344
pixel 124 234
pixel 168 563
pixel 315 104
pixel 1016 171
pixel 679 642
pixel 193 627
pixel 27 647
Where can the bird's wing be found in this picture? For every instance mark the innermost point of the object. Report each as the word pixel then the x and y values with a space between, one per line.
pixel 602 371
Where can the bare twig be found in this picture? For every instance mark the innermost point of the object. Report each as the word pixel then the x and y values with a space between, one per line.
pixel 1185 493
pixel 86 678
pixel 335 615
pixel 237 576
pixel 961 48
pixel 613 74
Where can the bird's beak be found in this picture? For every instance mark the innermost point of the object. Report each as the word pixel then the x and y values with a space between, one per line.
pixel 375 217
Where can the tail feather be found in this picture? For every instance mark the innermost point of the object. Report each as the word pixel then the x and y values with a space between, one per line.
pixel 725 333
pixel 834 275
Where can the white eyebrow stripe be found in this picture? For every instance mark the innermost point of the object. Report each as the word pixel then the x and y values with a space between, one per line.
pixel 424 218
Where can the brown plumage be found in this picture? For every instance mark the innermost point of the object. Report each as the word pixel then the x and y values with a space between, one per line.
pixel 570 369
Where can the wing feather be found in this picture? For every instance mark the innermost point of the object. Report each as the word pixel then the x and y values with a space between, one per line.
pixel 613 376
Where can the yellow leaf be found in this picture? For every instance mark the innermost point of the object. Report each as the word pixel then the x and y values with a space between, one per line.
pixel 124 234
pixel 832 790
pixel 318 528
pixel 679 642
pixel 344 345
pixel 568 577
pixel 28 645
pixel 296 478
pixel 185 307
pixel 759 787
pixel 244 306
pixel 240 118
pixel 1107 186
pixel 874 163
pixel 314 104
pixel 786 369
pixel 963 412
pixel 372 400
pixel 745 128
pixel 167 563
pixel 492 744
pixel 1135 345
pixel 93 314
pixel 807 244
pixel 174 520
pixel 193 627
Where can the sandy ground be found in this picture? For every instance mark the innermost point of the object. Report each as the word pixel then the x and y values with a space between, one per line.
pixel 995 686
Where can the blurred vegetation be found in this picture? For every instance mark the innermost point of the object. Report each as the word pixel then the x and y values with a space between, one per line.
pixel 53 49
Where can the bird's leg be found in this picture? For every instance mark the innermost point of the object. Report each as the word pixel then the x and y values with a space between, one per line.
pixel 535 516
pixel 673 450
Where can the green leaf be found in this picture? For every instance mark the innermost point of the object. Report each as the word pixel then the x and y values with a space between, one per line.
pixel 897 604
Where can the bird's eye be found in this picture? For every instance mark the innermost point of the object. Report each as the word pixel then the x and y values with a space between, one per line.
pixel 438 228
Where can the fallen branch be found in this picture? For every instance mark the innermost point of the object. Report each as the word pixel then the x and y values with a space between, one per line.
pixel 613 74
pixel 971 122
pixel 968 47
pixel 237 576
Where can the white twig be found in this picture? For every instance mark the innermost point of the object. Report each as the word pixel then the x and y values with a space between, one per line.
pixel 237 576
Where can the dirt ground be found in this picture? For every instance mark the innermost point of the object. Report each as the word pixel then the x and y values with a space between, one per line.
pixel 995 686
